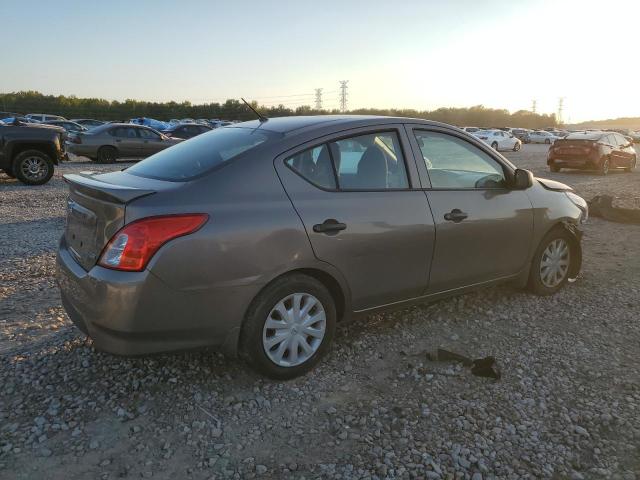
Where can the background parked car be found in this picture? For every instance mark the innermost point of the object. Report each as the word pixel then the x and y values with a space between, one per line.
pixel 520 133
pixel 499 140
pixel 593 151
pixel 541 136
pixel 42 117
pixel 69 126
pixel 186 131
pixel 111 141
pixel 88 122
pixel 19 119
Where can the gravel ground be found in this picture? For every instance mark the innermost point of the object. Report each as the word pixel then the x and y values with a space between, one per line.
pixel 567 406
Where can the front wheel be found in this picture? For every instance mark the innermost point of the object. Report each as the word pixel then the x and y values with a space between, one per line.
pixel 494 145
pixel 604 167
pixel 631 166
pixel 517 146
pixel 33 167
pixel 288 327
pixel 551 263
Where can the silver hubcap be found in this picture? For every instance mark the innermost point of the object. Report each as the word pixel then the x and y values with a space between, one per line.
pixel 554 263
pixel 34 168
pixel 294 329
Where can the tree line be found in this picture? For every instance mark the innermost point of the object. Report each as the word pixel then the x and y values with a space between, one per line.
pixel 233 109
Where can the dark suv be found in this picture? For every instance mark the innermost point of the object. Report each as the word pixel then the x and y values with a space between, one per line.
pixel 30 151
pixel 600 151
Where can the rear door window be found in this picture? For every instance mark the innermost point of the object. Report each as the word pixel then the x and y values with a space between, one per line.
pixel 188 160
pixel 315 166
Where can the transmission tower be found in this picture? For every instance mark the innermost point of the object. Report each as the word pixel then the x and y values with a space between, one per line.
pixel 343 95
pixel 318 99
pixel 560 109
pixel 534 104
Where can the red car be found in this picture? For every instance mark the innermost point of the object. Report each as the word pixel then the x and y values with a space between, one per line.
pixel 600 151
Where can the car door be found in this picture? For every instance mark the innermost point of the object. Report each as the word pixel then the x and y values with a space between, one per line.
pixel 150 142
pixel 621 156
pixel 127 142
pixel 483 228
pixel 353 193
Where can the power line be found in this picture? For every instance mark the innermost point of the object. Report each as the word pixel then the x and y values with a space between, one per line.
pixel 343 95
pixel 560 110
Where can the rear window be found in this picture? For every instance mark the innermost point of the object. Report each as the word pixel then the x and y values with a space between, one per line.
pixel 187 160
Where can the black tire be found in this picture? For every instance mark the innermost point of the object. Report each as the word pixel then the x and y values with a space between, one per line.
pixel 9 173
pixel 517 146
pixel 547 141
pixel 33 167
pixel 630 168
pixel 251 340
pixel 494 145
pixel 604 167
pixel 554 168
pixel 536 285
pixel 107 154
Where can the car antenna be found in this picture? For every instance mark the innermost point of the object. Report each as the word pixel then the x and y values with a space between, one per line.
pixel 261 117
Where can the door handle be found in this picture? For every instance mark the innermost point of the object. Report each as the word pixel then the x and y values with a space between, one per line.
pixel 329 226
pixel 456 215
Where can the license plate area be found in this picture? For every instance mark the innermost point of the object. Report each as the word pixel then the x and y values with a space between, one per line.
pixel 80 233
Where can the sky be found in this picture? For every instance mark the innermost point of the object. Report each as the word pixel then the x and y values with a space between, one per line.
pixel 420 54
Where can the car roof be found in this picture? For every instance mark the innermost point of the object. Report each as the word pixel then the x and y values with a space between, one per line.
pixel 287 125
pixel 584 136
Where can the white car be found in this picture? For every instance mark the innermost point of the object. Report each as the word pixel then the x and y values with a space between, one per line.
pixel 41 117
pixel 498 139
pixel 540 136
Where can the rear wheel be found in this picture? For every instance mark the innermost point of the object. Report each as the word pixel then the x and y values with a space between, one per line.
pixel 494 145
pixel 554 168
pixel 107 155
pixel 33 167
pixel 551 263
pixel 288 327
pixel 517 146
pixel 604 167
pixel 547 141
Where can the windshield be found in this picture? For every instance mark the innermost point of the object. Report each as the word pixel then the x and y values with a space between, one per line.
pixel 189 159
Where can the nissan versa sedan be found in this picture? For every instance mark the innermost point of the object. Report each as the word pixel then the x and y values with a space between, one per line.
pixel 106 143
pixel 599 151
pixel 260 237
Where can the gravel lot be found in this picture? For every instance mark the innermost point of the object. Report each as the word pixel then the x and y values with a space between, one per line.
pixel 567 406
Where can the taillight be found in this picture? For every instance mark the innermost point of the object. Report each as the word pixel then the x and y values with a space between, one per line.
pixel 134 245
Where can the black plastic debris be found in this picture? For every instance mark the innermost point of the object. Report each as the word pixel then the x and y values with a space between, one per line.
pixel 481 367
pixel 602 206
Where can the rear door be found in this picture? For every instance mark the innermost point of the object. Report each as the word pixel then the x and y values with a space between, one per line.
pixel 353 192
pixel 126 141
pixel 483 229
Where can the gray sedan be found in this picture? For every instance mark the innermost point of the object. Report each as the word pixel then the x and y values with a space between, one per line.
pixel 259 238
pixel 106 143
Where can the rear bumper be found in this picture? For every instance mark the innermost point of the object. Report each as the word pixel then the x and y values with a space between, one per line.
pixel 573 162
pixel 136 313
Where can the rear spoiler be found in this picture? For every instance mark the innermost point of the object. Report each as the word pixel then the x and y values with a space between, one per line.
pixel 85 183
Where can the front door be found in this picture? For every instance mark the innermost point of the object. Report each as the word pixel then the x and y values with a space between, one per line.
pixel 353 195
pixel 483 228
pixel 150 142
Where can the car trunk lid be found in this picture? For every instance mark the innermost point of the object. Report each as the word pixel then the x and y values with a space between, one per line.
pixel 96 210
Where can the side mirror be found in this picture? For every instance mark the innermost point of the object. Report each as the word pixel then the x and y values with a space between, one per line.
pixel 522 179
